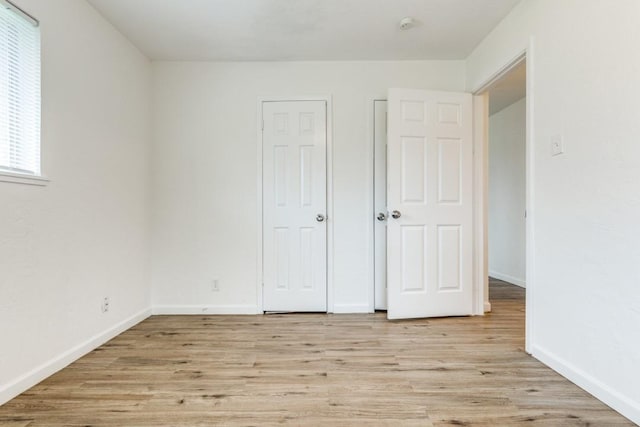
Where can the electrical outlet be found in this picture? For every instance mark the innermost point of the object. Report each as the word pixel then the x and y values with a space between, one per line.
pixel 215 285
pixel 105 304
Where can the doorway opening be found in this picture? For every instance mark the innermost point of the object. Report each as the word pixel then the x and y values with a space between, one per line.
pixel 507 179
pixel 505 186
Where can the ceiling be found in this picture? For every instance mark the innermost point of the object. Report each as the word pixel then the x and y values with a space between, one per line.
pixel 277 30
pixel 510 88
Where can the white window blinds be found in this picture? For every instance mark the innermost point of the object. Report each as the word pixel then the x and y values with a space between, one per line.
pixel 19 93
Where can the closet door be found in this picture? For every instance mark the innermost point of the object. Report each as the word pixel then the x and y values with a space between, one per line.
pixel 429 197
pixel 294 206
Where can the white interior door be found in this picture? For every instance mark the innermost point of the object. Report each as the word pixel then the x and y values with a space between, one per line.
pixel 429 197
pixel 294 206
pixel 380 202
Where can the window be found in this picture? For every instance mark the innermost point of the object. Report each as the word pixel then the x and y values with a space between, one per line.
pixel 19 92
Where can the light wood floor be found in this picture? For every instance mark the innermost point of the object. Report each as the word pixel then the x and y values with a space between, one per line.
pixel 339 370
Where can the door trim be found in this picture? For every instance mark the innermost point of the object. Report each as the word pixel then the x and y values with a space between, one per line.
pixel 481 171
pixel 259 214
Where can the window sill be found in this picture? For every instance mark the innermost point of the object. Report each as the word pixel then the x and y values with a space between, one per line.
pixel 21 178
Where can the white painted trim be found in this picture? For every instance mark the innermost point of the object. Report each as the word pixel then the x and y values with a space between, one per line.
pixel 530 200
pixel 487 307
pixel 23 178
pixel 259 216
pixel 45 370
pixel 601 391
pixel 510 65
pixel 205 309
pixel 351 308
pixel 329 117
pixel 330 217
pixel 526 54
pixel 480 205
pixel 509 279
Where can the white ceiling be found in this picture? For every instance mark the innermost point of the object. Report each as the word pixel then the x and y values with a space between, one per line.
pixel 274 30
pixel 510 88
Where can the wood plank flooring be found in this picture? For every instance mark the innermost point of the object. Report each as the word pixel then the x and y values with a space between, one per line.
pixel 316 370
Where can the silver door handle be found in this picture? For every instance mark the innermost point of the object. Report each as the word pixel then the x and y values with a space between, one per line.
pixel 381 216
pixel 320 218
pixel 396 214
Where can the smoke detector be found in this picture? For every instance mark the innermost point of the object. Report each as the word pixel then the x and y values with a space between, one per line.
pixel 407 23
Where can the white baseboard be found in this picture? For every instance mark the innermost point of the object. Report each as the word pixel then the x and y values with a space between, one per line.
pixel 205 309
pixel 601 391
pixel 39 373
pixel 241 309
pixel 509 279
pixel 351 308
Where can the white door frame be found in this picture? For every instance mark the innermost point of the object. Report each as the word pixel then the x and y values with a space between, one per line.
pixel 481 185
pixel 259 255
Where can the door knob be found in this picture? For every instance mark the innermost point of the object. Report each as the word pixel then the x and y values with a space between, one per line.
pixel 320 218
pixel 381 216
pixel 396 214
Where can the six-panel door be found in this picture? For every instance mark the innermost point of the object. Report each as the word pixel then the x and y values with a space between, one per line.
pixel 429 177
pixel 294 206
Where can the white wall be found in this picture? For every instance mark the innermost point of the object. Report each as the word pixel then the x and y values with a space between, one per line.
pixel 85 236
pixel 507 137
pixel 585 292
pixel 205 221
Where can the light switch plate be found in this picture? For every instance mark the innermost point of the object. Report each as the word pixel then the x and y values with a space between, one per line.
pixel 557 146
